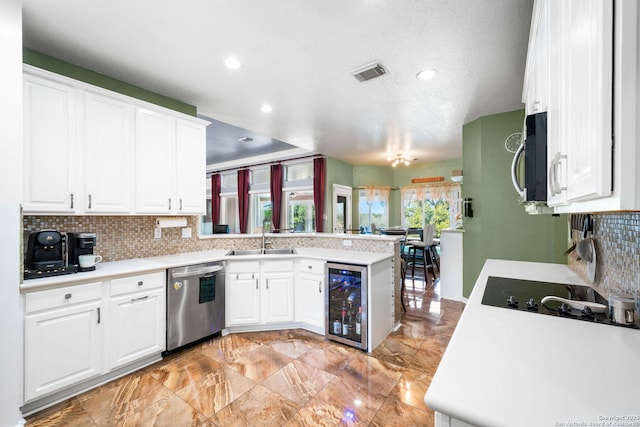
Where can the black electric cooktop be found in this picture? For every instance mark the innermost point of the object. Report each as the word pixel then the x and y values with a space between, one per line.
pixel 527 295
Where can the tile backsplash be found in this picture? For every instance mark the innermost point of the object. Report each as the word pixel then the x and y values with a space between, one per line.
pixel 617 242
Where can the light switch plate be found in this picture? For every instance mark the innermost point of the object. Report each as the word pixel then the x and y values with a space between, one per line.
pixel 347 243
pixel 186 233
pixel 157 233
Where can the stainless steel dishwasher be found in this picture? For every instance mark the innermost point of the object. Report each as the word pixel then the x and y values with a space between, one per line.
pixel 195 303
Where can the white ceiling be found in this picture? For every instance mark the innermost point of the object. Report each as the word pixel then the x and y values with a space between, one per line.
pixel 298 55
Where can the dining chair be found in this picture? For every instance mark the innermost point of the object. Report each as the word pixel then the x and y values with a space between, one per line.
pixel 420 254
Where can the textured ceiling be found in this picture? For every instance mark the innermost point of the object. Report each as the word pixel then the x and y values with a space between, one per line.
pixel 297 55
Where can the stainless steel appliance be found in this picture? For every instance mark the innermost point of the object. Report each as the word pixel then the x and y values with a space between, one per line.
pixel 553 299
pixel 535 160
pixel 346 304
pixel 80 244
pixel 45 255
pixel 195 303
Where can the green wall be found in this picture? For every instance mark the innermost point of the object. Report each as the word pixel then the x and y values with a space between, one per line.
pixel 338 172
pixel 58 66
pixel 500 228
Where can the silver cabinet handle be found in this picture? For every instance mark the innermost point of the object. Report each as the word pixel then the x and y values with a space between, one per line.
pixel 268 283
pixel 67 296
pixel 71 205
pixel 310 267
pixel 180 204
pixel 98 315
pixel 169 203
pixel 139 298
pixel 140 283
pixel 319 286
pixel 89 201
pixel 257 284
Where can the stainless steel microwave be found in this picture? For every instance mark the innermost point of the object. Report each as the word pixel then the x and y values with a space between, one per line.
pixel 535 160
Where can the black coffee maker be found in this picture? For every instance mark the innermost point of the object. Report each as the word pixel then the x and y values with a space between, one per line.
pixel 45 255
pixel 80 244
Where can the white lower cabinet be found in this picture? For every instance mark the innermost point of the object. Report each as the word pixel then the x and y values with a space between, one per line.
pixel 137 324
pixel 242 289
pixel 81 334
pixel 259 292
pixel 63 338
pixel 309 294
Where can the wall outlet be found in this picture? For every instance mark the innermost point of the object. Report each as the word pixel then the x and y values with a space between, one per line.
pixel 157 233
pixel 186 233
pixel 347 243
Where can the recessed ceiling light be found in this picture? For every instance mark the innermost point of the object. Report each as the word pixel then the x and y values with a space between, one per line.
pixel 426 74
pixel 266 108
pixel 232 63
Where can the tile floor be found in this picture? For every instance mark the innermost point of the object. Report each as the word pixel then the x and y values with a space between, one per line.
pixel 282 378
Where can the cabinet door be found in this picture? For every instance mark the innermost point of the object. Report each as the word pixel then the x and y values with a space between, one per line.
pixel 137 326
pixel 107 154
pixel 50 164
pixel 277 297
pixel 154 164
pixel 190 158
pixel 242 304
pixel 557 114
pixel 589 98
pixel 309 297
pixel 62 347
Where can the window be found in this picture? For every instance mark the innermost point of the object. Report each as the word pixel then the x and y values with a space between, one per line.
pixel 298 208
pixel 301 212
pixel 260 211
pixel 373 207
pixel 423 205
pixel 228 204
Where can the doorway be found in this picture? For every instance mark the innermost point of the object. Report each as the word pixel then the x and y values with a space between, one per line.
pixel 341 208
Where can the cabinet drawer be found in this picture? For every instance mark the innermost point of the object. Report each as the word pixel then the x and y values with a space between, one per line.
pixel 314 266
pixel 278 265
pixel 137 283
pixel 52 298
pixel 243 266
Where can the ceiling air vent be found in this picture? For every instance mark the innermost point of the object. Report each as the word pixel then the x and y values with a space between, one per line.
pixel 245 139
pixel 368 72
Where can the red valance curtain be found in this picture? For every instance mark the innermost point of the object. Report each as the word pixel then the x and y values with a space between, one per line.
pixel 243 198
pixel 319 173
pixel 276 196
pixel 215 199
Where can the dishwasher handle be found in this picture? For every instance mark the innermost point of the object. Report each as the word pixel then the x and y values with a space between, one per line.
pixel 190 272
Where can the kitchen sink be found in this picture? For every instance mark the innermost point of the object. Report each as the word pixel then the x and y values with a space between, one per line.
pixel 280 251
pixel 246 252
pixel 269 251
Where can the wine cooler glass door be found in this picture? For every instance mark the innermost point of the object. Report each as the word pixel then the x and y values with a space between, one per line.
pixel 346 304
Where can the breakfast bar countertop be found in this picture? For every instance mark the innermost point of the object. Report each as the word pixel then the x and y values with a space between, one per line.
pixel 506 367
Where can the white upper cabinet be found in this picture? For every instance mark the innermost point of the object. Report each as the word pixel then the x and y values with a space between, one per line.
pixel 536 80
pixel 191 159
pixel 154 158
pixel 589 68
pixel 50 163
pixel 92 151
pixel 592 102
pixel 107 154
pixel 579 115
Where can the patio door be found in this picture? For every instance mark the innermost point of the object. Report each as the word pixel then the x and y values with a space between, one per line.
pixel 341 208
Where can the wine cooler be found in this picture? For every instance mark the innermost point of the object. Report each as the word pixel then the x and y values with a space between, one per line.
pixel 346 304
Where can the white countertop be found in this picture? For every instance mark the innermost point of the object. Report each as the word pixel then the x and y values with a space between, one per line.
pixel 513 368
pixel 109 270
